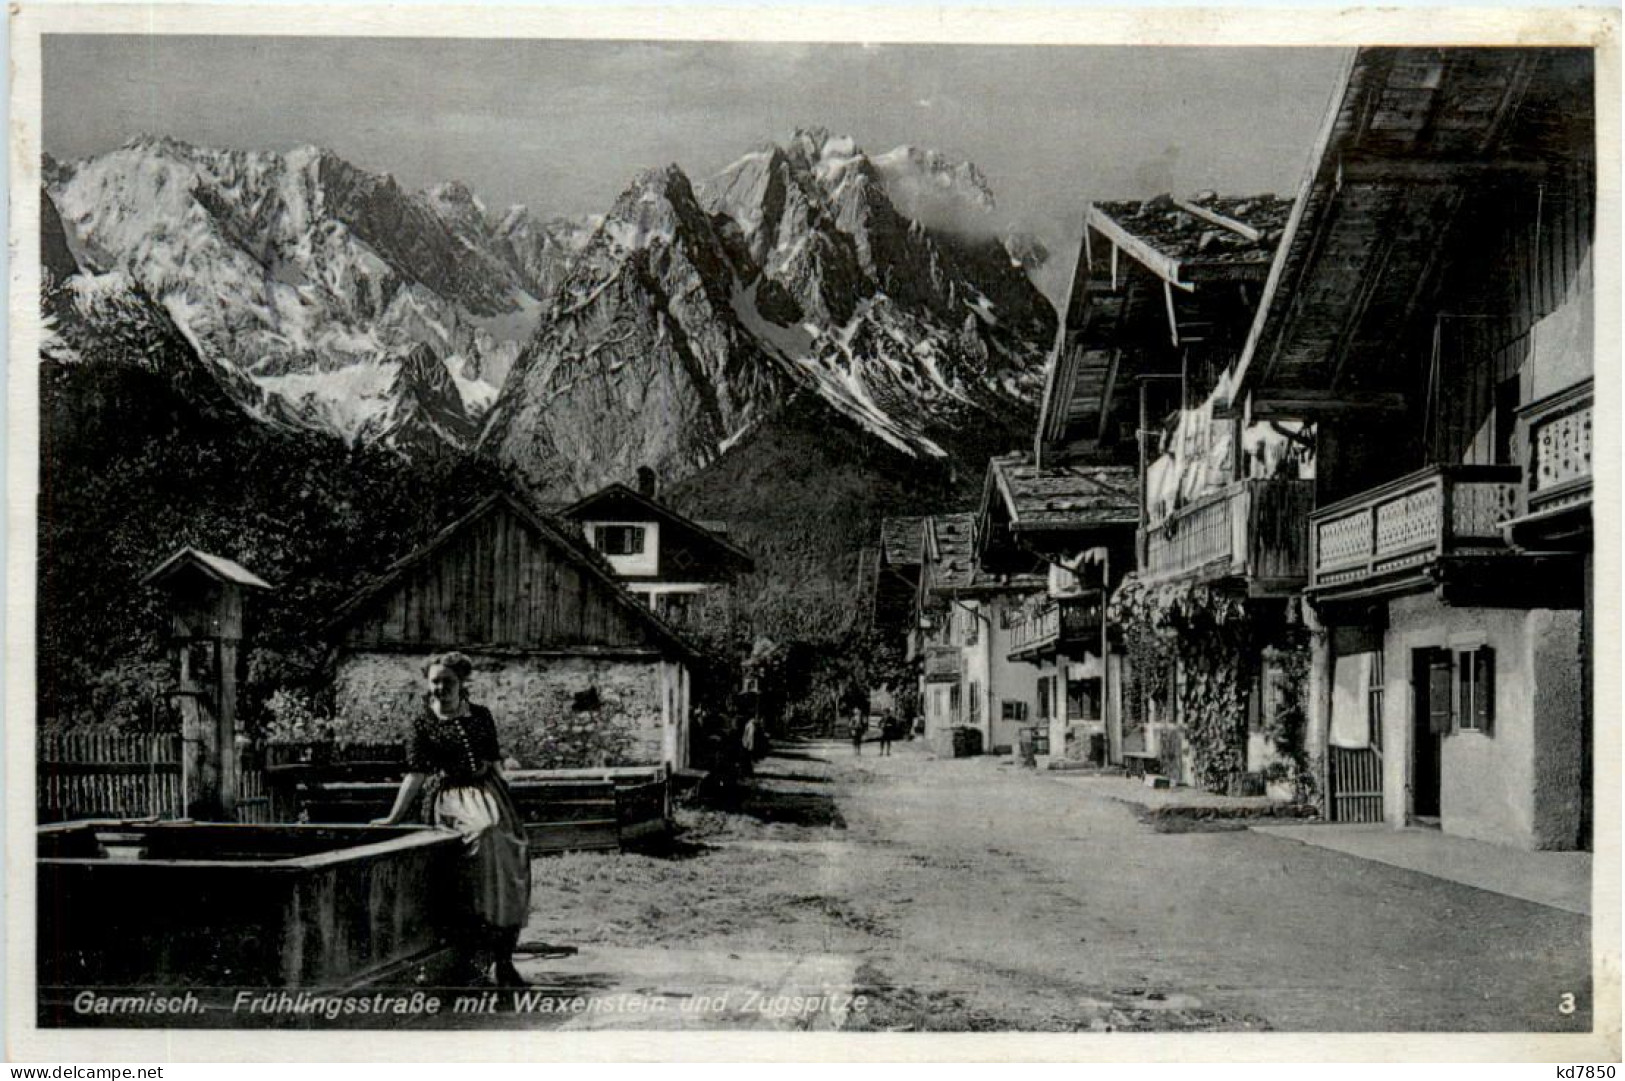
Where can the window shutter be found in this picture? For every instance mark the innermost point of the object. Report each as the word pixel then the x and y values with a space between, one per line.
pixel 1484 689
pixel 1439 694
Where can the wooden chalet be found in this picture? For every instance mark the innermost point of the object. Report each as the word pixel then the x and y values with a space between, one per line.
pixel 577 671
pixel 967 617
pixel 666 559
pixel 1430 313
pixel 1163 295
pixel 1074 526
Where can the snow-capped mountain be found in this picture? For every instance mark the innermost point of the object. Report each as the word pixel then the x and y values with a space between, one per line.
pixel 661 333
pixel 691 315
pixel 312 277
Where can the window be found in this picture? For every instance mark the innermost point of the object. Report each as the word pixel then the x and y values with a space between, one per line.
pixel 1043 698
pixel 674 607
pixel 1012 710
pixel 972 624
pixel 953 702
pixel 975 702
pixel 619 540
pixel 1083 699
pixel 1475 689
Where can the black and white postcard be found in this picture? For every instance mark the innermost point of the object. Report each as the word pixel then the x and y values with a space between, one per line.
pixel 1080 529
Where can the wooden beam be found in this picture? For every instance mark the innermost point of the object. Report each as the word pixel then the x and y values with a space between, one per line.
pixel 1155 261
pixel 1289 236
pixel 1173 318
pixel 1213 217
pixel 1106 394
pixel 1300 403
pixel 1369 169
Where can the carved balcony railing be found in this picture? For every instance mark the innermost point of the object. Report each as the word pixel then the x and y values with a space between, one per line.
pixel 1555 433
pixel 1046 623
pixel 1402 526
pixel 1253 529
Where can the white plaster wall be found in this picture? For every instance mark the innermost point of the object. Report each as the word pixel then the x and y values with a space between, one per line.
pixel 967 615
pixel 1014 680
pixel 379 694
pixel 644 563
pixel 1487 787
pixel 1561 347
pixel 1559 717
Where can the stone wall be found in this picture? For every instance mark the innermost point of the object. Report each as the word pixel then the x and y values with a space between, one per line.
pixel 378 694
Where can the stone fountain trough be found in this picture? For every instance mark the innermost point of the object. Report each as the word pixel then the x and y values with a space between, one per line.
pixel 193 905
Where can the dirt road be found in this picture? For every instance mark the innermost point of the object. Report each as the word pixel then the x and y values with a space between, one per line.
pixel 969 895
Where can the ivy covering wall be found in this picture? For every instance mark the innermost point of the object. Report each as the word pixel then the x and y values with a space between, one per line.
pixel 1219 641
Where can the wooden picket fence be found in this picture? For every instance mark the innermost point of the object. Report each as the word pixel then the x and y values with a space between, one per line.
pixel 109 775
pixel 129 775
pixel 1355 782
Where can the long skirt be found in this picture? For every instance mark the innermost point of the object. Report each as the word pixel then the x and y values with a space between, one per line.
pixel 496 863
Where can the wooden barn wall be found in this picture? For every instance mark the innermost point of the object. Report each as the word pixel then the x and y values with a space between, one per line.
pixel 1536 242
pixel 497 584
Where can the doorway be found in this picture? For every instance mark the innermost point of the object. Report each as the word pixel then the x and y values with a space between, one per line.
pixel 1430 720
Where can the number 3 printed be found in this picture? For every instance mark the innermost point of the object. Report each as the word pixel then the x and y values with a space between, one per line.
pixel 1566 1006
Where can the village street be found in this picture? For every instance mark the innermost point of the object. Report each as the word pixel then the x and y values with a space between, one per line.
pixel 972 895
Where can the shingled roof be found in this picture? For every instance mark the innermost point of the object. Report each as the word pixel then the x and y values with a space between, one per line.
pixel 1206 230
pixel 951 550
pixel 900 539
pixel 1065 496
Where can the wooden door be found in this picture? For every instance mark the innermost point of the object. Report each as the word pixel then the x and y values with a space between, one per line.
pixel 1431 719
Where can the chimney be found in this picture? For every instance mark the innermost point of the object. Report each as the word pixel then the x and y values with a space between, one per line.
pixel 648 482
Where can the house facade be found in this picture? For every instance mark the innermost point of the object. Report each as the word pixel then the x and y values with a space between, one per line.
pixel 576 671
pixel 667 560
pixel 1072 526
pixel 1213 506
pixel 1430 314
pixel 967 619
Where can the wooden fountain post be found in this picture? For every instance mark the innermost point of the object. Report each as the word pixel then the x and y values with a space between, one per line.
pixel 206 595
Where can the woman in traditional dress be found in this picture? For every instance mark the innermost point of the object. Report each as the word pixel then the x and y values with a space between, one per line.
pixel 455 767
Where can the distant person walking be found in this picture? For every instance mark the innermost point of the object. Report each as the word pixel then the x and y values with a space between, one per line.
pixel 860 728
pixel 752 744
pixel 888 732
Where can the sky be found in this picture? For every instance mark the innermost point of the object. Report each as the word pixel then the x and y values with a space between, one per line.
pixel 562 126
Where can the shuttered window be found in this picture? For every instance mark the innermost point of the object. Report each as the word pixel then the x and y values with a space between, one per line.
pixel 1439 694
pixel 619 540
pixel 1373 699
pixel 1475 690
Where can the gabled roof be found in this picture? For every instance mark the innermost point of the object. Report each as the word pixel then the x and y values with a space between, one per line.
pixel 1207 235
pixel 900 539
pixel 950 552
pixel 582 510
pixel 217 567
pixel 1414 137
pixel 1151 274
pixel 575 550
pixel 1067 497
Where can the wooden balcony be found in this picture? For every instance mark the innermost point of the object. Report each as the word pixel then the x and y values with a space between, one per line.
pixel 1046 624
pixel 1254 530
pixel 1554 499
pixel 1391 534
